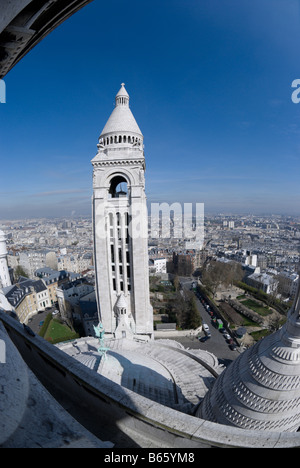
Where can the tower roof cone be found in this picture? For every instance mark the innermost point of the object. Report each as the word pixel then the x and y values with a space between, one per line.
pixel 122 91
pixel 122 304
pixel 260 390
pixel 121 119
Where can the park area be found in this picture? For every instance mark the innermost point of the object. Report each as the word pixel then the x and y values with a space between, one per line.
pixel 54 331
pixel 256 306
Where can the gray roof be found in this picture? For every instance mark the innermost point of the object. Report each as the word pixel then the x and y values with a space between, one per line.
pixel 38 285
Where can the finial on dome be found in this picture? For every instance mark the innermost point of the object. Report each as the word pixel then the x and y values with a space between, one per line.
pixel 122 98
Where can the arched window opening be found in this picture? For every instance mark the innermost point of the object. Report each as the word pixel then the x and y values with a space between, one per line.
pixel 118 187
pixel 118 216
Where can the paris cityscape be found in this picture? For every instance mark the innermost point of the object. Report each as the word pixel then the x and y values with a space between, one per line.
pixel 266 247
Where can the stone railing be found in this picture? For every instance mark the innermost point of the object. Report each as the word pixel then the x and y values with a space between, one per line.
pixel 114 413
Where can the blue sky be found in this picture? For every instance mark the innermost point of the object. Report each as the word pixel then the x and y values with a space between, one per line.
pixel 210 87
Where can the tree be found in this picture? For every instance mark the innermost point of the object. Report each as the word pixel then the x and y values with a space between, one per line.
pixel 19 271
pixel 234 272
pixel 275 322
pixel 216 274
pixel 193 317
pixel 213 276
pixel 176 283
pixel 184 310
pixel 179 309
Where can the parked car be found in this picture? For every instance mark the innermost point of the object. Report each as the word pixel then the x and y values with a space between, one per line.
pixel 206 330
pixel 204 338
pixel 226 336
pixel 232 346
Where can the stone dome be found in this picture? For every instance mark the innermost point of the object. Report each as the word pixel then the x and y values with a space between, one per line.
pixel 260 390
pixel 161 370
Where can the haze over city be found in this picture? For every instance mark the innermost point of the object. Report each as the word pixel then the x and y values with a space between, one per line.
pixel 210 85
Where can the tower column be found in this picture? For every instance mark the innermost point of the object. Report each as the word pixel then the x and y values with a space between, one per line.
pixel 120 223
pixel 4 273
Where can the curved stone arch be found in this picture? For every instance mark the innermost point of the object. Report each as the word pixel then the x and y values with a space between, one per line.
pixel 122 172
pixel 24 23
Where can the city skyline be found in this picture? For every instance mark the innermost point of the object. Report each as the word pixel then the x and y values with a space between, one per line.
pixel 210 86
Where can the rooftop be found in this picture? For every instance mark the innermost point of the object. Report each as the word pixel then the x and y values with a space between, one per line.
pixel 162 370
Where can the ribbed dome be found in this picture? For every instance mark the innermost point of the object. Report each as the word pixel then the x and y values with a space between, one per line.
pixel 260 390
pixel 121 119
pixel 121 304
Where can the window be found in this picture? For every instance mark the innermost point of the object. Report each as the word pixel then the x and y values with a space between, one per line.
pixel 112 253
pixel 118 187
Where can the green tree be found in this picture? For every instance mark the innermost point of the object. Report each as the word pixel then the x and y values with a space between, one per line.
pixel 19 271
pixel 193 317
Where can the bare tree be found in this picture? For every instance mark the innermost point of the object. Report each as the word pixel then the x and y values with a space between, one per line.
pixel 219 273
pixel 213 276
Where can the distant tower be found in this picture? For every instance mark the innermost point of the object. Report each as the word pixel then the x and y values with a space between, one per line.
pixel 4 273
pixel 120 225
pixel 260 390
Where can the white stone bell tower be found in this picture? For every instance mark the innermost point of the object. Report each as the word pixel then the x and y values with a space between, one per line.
pixel 120 225
pixel 4 273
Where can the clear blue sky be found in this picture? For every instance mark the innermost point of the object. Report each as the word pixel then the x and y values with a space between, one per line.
pixel 210 87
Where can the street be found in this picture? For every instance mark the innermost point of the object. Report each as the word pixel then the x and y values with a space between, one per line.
pixel 216 344
pixel 36 321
